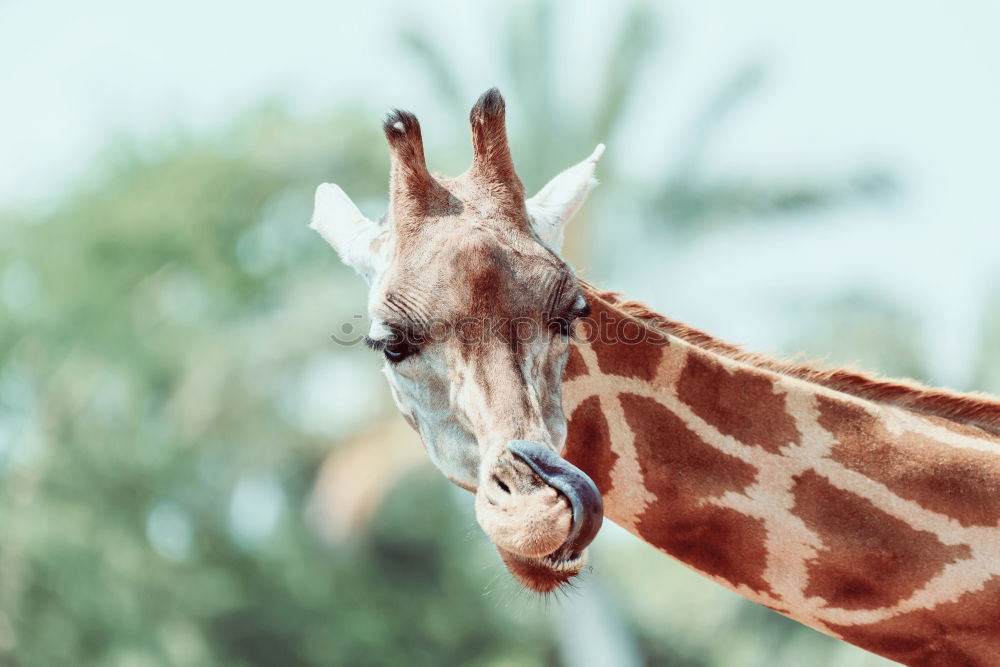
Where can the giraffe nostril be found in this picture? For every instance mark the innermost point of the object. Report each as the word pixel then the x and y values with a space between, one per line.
pixel 499 483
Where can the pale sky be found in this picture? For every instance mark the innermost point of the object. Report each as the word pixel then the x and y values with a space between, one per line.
pixel 914 86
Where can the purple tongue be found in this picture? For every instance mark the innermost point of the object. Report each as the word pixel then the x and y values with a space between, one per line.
pixel 575 485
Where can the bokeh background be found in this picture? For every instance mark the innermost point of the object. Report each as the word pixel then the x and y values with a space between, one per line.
pixel 193 473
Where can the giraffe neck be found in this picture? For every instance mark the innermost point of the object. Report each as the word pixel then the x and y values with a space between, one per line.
pixel 866 521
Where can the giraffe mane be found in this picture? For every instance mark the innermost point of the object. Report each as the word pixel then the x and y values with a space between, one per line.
pixel 973 408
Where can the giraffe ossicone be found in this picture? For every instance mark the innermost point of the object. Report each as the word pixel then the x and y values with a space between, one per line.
pixel 867 509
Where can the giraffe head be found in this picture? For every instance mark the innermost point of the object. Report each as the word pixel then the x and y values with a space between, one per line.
pixel 471 307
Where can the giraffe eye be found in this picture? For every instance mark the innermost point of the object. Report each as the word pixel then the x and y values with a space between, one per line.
pixel 398 349
pixel 395 347
pixel 564 323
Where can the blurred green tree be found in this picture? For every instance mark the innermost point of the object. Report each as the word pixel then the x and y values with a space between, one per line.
pixel 987 371
pixel 860 329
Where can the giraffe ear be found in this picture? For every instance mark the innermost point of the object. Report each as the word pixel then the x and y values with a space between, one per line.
pixel 360 242
pixel 561 197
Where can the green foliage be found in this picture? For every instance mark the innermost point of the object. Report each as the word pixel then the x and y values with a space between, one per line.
pixel 987 373
pixel 862 330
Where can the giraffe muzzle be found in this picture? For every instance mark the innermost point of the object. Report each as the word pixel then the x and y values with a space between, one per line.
pixel 574 484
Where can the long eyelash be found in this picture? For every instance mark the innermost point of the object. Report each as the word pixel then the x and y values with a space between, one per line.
pixel 375 344
pixel 573 313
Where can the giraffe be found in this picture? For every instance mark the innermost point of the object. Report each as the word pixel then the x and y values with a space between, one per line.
pixel 867 509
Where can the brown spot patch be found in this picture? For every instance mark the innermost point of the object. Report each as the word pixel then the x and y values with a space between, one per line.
pixel 871 559
pixel 482 269
pixel 575 365
pixel 965 631
pixel 624 346
pixel 739 403
pixel 683 471
pixel 961 483
pixel 719 541
pixel 588 443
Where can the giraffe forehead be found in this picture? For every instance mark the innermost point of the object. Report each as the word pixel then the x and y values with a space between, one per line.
pixel 462 203
pixel 496 273
pixel 470 273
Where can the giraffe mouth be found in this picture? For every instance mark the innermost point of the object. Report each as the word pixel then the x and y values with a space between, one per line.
pixel 543 574
pixel 574 485
pixel 547 572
